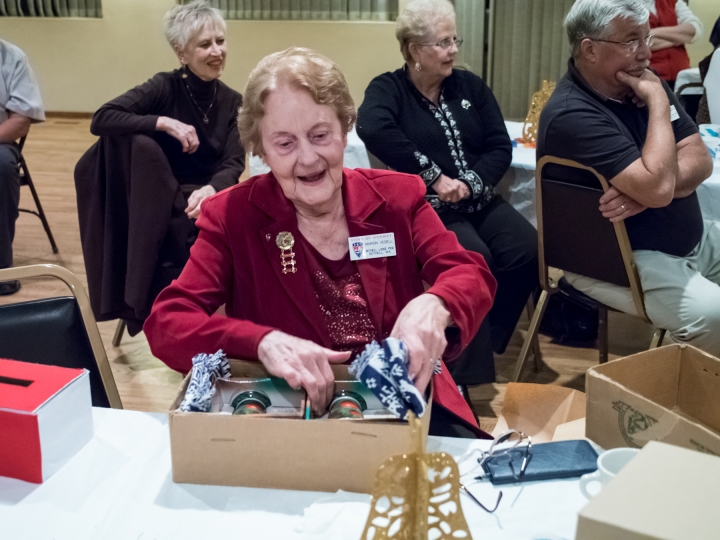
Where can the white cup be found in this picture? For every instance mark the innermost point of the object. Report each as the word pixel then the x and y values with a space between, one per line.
pixel 609 464
pixel 709 130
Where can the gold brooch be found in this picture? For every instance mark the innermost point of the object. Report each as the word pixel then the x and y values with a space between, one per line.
pixel 285 241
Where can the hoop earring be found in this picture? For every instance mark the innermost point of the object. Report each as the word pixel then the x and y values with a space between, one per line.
pixel 418 67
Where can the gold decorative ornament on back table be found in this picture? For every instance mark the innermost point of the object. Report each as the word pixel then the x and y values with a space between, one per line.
pixel 416 494
pixel 539 99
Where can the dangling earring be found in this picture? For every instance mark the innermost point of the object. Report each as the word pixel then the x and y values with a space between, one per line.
pixel 184 71
pixel 418 67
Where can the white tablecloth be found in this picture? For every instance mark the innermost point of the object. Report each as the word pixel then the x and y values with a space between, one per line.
pixel 518 185
pixel 709 195
pixel 355 156
pixel 120 486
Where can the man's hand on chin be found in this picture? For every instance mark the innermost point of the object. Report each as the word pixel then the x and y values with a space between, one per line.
pixel 644 89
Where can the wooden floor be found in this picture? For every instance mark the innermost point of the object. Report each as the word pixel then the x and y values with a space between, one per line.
pixel 51 151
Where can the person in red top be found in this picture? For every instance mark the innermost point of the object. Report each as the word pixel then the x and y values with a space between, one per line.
pixel 276 251
pixel 673 25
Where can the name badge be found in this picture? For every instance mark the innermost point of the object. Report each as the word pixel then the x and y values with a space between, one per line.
pixel 372 246
pixel 673 113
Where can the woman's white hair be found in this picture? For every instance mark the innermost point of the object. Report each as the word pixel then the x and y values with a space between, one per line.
pixel 592 18
pixel 418 21
pixel 182 22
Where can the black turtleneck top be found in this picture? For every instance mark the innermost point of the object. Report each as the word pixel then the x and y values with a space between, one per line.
pixel 219 159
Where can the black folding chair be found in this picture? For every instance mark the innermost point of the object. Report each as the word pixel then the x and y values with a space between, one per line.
pixel 58 331
pixel 573 236
pixel 26 180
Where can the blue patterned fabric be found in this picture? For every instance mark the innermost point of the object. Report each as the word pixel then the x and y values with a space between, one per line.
pixel 383 369
pixel 207 368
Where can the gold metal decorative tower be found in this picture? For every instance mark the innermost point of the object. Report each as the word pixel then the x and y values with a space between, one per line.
pixel 417 494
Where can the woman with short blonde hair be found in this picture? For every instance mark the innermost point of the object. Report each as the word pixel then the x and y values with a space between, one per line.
pixel 444 125
pixel 182 124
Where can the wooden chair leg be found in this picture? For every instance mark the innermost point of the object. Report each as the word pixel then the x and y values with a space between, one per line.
pixel 119 330
pixel 657 338
pixel 537 354
pixel 603 335
pixel 532 333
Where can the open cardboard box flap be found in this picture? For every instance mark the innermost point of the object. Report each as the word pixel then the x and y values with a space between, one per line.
pixel 283 453
pixel 546 412
pixel 669 394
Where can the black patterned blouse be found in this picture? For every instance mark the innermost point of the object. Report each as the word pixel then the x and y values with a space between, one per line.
pixel 463 137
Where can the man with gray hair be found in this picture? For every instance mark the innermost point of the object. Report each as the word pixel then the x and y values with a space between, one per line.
pixel 20 105
pixel 611 113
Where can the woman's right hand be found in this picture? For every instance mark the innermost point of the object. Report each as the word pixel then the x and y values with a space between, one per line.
pixel 450 189
pixel 184 133
pixel 302 363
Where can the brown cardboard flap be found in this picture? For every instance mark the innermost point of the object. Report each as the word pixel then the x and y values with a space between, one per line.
pixel 652 374
pixel 623 409
pixel 699 386
pixel 538 409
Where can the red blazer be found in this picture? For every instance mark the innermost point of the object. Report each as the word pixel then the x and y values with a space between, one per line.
pixel 236 262
pixel 667 62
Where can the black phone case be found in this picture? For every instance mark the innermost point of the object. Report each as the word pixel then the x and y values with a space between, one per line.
pixel 561 459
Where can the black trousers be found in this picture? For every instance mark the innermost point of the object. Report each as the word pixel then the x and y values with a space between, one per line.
pixel 9 200
pixel 508 242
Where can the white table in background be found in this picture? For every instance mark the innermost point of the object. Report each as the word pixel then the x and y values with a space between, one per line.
pixel 689 76
pixel 120 486
pixel 355 156
pixel 709 195
pixel 518 185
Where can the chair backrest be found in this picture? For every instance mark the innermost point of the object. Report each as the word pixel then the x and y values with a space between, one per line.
pixel 573 235
pixel 59 331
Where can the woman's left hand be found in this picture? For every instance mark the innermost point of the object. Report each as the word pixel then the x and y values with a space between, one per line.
pixel 421 326
pixel 196 198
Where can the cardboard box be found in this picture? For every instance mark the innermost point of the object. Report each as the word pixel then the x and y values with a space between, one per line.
pixel 546 412
pixel 670 394
pixel 45 418
pixel 665 492
pixel 283 453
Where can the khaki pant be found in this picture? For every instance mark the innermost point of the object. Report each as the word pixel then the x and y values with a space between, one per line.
pixel 682 294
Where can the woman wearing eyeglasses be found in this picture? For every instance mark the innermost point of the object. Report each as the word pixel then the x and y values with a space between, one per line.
pixel 443 124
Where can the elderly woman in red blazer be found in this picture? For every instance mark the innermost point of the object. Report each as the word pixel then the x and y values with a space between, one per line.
pixel 279 252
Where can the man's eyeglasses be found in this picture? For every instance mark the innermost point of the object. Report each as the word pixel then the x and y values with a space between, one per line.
pixel 632 45
pixel 446 43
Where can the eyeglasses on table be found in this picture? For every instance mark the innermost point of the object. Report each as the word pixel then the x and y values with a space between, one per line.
pixel 507 447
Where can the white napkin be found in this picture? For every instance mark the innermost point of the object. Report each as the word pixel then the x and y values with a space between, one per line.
pixel 340 516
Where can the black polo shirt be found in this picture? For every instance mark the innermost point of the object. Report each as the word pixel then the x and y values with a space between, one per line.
pixel 608 135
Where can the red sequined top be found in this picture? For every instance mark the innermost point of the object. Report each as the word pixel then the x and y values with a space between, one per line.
pixel 342 300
